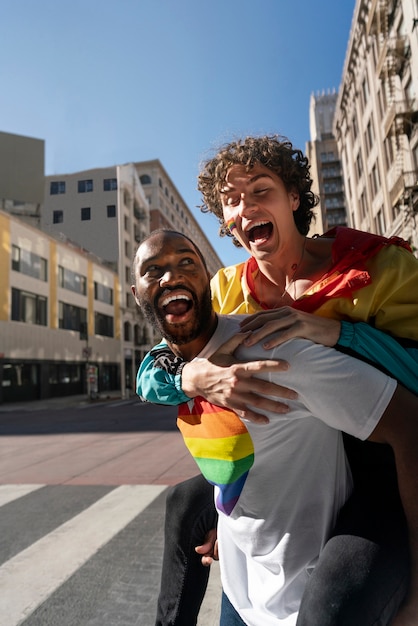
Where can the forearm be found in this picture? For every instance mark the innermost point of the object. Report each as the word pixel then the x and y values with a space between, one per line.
pixel 383 350
pixel 159 379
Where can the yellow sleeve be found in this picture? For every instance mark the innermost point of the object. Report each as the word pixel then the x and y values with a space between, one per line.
pixel 390 302
pixel 229 291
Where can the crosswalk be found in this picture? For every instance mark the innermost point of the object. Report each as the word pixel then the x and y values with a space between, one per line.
pixel 74 555
pixel 80 555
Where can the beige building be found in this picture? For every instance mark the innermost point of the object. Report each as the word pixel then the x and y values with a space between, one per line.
pixel 105 211
pixel 168 209
pixel 376 120
pixel 326 170
pixel 51 290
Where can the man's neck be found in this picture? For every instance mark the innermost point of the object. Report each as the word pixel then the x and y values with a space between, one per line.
pixel 188 351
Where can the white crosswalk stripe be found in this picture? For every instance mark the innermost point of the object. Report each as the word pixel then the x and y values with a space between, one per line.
pixel 33 574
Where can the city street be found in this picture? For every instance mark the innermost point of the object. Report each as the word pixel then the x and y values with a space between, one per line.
pixel 82 496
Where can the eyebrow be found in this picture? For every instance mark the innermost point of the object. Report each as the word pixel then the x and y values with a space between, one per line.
pixel 253 179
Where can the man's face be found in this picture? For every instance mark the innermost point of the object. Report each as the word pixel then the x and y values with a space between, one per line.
pixel 258 209
pixel 172 287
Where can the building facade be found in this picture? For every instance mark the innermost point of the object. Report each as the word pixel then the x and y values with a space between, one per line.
pixel 105 211
pixel 376 119
pixel 326 169
pixel 59 317
pixel 168 209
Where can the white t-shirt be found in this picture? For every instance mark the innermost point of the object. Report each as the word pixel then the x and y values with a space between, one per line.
pixel 299 479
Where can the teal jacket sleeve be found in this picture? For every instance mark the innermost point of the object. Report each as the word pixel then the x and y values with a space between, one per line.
pixel 380 348
pixel 159 377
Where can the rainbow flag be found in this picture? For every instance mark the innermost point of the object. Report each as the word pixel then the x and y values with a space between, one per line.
pixel 221 446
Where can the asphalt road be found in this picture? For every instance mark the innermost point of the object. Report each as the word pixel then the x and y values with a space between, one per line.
pixel 82 501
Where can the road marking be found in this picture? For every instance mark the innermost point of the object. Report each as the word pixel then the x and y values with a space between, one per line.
pixel 30 577
pixel 8 493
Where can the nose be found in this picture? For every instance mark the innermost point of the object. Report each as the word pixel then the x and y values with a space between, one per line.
pixel 169 276
pixel 246 205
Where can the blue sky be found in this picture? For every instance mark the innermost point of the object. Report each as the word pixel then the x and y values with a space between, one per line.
pixel 106 82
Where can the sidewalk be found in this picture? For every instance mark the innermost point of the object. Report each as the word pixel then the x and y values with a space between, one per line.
pixel 62 402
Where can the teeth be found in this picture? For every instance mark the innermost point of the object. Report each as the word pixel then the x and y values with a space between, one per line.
pixel 172 298
pixel 254 225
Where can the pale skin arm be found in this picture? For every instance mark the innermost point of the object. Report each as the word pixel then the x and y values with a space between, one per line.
pixel 399 428
pixel 285 323
pixel 226 382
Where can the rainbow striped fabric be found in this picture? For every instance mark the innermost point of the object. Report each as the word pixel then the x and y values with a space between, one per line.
pixel 221 446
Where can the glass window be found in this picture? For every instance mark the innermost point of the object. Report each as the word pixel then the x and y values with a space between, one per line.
pixel 72 281
pixel 145 179
pixel 85 185
pixel 57 217
pixel 111 210
pixel 71 317
pixel 103 293
pixel 28 307
pixel 57 187
pixel 103 325
pixel 110 184
pixel 29 263
pixel 85 214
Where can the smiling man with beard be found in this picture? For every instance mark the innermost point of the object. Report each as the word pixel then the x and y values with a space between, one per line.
pixel 278 486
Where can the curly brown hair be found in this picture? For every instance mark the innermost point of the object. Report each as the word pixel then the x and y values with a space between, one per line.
pixel 273 151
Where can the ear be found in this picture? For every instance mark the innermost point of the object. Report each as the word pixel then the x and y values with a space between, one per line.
pixel 133 289
pixel 294 200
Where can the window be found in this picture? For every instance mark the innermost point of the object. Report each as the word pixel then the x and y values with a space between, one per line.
pixel 71 317
pixel 126 331
pixel 111 210
pixel 110 184
pixel 145 179
pixel 85 214
pixel 72 281
pixel 103 325
pixel 370 135
pixel 103 293
pixel 375 179
pixel 29 263
pixel 57 217
pixel 57 187
pixel 85 186
pixel 28 307
pixel 365 91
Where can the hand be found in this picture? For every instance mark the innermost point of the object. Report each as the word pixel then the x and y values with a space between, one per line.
pixel 285 323
pixel 209 549
pixel 226 382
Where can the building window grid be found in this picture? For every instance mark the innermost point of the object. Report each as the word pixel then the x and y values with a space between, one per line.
pixel 103 324
pixel 111 210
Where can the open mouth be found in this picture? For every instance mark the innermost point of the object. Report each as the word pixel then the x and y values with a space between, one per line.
pixel 260 232
pixel 176 305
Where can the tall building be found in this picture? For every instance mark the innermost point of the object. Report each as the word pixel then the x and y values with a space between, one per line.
pixel 22 170
pixel 168 209
pixel 376 119
pixel 326 170
pixel 59 316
